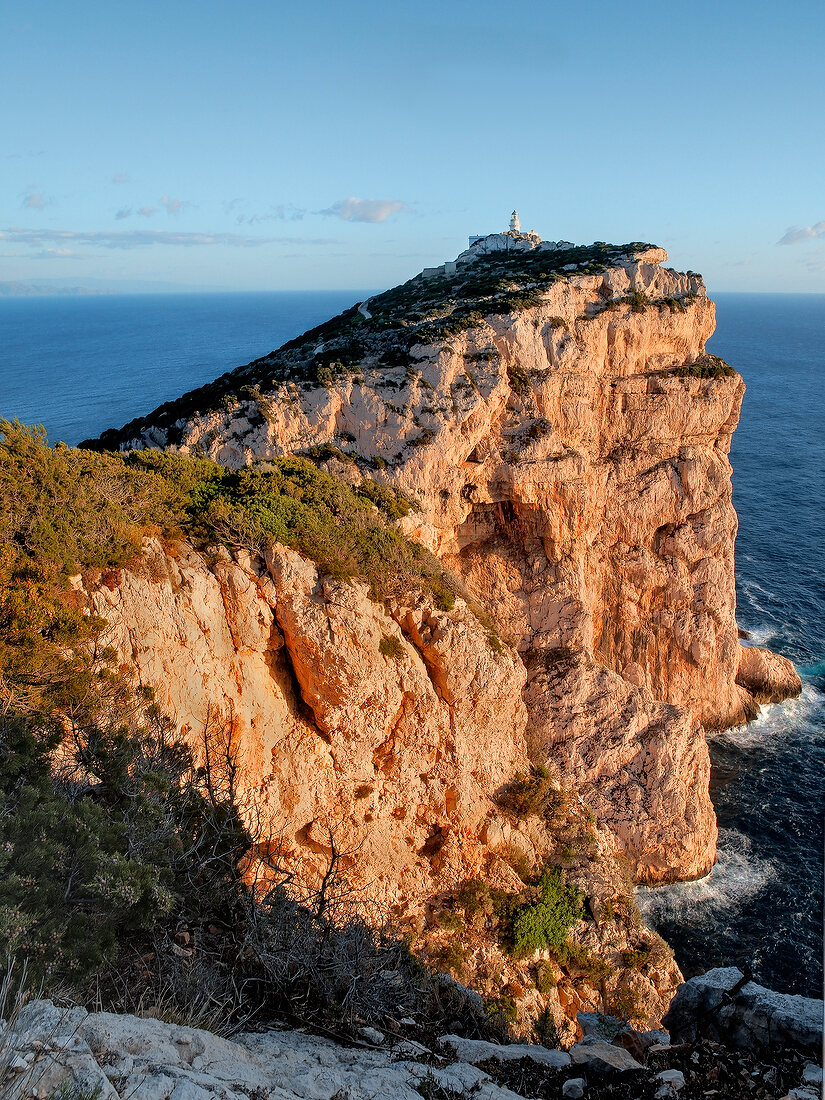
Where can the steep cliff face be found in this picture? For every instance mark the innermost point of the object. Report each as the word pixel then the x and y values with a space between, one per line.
pixel 580 486
pixel 377 739
pixel 568 450
pixel 357 726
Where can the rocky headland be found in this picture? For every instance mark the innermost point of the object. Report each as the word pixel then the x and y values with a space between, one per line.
pixel 565 437
pixel 487 759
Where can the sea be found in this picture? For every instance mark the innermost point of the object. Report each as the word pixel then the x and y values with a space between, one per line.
pixel 78 365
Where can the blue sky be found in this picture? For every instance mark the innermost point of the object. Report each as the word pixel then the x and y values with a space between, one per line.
pixel 270 145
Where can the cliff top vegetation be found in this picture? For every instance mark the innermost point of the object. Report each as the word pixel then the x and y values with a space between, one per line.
pixel 67 509
pixel 402 321
pixel 114 831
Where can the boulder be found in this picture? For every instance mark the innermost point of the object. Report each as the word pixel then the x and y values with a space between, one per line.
pixel 573 1088
pixel 603 1057
pixel 479 1050
pixel 722 1005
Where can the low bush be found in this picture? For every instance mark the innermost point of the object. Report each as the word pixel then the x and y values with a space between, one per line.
pixel 519 379
pixel 533 792
pixel 475 899
pixel 450 920
pixel 390 646
pixel 545 978
pixel 636 958
pixel 707 366
pixel 546 922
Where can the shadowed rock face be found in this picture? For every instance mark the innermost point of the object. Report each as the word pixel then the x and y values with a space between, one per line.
pixel 578 479
pixel 391 758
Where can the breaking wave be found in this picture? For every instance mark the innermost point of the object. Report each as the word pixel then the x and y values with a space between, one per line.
pixel 711 901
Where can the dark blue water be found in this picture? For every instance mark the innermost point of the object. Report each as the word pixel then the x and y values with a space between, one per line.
pixel 761 906
pixel 78 365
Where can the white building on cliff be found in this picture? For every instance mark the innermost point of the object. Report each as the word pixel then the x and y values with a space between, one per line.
pixel 513 239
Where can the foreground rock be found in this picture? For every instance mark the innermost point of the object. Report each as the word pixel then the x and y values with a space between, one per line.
pixel 51 1052
pixel 723 1005
pixel 110 1056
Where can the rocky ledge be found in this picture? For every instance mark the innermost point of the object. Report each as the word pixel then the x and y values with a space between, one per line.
pixel 46 1051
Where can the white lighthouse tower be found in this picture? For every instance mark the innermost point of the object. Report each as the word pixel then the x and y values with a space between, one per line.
pixel 514 239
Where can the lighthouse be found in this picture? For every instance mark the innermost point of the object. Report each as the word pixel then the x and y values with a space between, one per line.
pixel 515 224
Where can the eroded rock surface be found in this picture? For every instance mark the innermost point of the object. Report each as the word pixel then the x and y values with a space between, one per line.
pixel 578 480
pixel 723 1005
pixel 111 1056
pixel 568 455
pixel 393 759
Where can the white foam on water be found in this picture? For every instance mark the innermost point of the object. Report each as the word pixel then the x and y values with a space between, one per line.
pixel 735 877
pixel 759 635
pixel 757 597
pixel 776 720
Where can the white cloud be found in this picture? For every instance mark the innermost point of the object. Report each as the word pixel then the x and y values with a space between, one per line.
pixel 364 210
pixel 174 206
pixel 34 200
pixel 797 233
pixel 280 213
pixel 139 238
pixel 120 177
pixel 57 254
pixel 142 212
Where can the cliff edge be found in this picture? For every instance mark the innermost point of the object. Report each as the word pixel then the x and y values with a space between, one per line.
pixel 556 418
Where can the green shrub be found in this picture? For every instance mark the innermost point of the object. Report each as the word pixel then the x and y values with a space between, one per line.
pixel 635 958
pixel 534 792
pixel 545 979
pixel 443 595
pixel 517 858
pixel 450 920
pixel 474 898
pixel 519 379
pixel 452 958
pixel 547 1031
pixel 625 1003
pixel 572 955
pixel 546 922
pixel 391 646
pixel 707 366
pixel 504 1008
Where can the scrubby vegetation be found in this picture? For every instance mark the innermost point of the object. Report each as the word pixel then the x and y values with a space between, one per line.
pixel 707 366
pixel 538 917
pixel 127 859
pixel 545 922
pixel 534 792
pixel 403 321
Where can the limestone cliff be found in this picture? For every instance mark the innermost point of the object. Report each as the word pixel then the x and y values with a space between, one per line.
pixel 383 735
pixel 358 725
pixel 566 438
